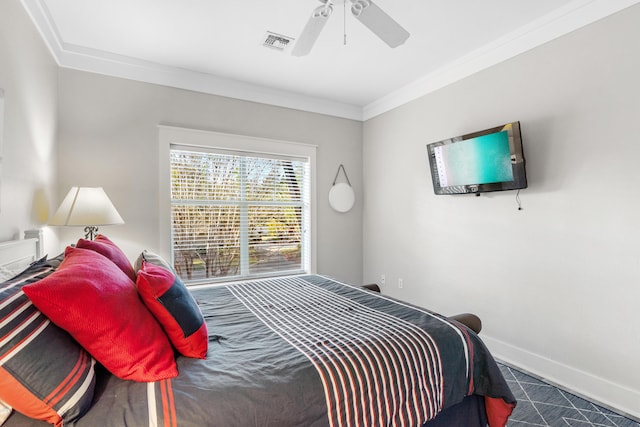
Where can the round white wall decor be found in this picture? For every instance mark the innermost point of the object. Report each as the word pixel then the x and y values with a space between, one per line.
pixel 341 197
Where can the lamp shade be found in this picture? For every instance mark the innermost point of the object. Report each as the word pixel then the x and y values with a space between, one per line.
pixel 86 206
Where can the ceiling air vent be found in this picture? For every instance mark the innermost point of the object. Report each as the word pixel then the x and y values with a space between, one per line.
pixel 277 41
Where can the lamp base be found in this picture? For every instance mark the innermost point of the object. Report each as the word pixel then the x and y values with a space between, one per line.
pixel 91 232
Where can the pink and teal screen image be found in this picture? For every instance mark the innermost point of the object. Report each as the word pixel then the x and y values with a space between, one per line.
pixel 481 160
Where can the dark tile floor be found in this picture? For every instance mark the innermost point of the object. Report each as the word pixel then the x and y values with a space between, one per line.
pixel 541 404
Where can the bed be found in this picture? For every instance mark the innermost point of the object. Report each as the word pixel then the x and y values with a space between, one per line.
pixel 290 351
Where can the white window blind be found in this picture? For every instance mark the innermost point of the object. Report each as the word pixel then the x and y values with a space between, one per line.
pixel 238 215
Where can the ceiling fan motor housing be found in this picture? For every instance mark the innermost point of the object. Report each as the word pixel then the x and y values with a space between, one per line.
pixel 365 11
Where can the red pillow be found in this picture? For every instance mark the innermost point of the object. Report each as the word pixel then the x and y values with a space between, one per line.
pixel 93 300
pixel 106 247
pixel 173 305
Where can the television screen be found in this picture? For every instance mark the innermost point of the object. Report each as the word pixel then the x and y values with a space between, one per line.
pixel 489 160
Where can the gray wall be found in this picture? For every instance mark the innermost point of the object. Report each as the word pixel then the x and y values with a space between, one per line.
pixel 556 284
pixel 108 136
pixel 28 76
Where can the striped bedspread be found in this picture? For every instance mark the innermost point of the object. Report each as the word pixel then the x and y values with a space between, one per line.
pixel 374 367
pixel 309 351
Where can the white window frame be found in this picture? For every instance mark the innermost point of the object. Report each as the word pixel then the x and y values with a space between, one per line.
pixel 169 135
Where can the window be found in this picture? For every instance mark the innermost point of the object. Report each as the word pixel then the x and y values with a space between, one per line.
pixel 237 214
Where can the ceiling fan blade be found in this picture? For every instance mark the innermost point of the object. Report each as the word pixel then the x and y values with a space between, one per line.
pixel 312 30
pixel 381 24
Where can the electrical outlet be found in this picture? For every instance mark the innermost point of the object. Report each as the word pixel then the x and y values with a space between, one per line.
pixel 400 283
pixel 382 279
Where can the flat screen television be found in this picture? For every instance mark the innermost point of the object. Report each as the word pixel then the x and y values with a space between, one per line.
pixel 479 162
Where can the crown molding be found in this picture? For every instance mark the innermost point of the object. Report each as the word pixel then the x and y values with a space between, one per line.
pixel 80 58
pixel 573 16
pixel 110 64
pixel 556 24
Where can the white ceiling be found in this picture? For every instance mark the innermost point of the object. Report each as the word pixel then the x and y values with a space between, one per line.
pixel 215 46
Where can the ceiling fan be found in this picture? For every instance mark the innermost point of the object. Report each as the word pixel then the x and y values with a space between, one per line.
pixel 365 11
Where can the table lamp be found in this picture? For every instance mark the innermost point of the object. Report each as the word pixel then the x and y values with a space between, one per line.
pixel 88 207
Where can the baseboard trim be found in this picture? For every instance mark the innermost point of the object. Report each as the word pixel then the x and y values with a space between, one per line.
pixel 607 394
